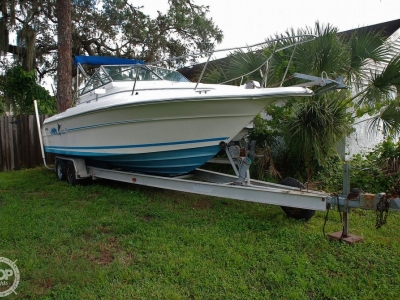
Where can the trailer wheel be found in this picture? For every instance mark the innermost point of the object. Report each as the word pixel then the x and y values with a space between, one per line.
pixel 61 169
pixel 71 177
pixel 292 212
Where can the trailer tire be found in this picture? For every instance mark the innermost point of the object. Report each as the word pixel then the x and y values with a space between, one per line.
pixel 61 169
pixel 71 177
pixel 292 212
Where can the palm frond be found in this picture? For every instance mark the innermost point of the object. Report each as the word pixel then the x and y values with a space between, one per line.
pixel 243 63
pixel 388 120
pixel 214 74
pixel 381 86
pixel 365 46
pixel 324 54
pixel 318 124
pixel 240 65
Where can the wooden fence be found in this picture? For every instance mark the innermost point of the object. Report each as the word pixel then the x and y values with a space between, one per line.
pixel 19 143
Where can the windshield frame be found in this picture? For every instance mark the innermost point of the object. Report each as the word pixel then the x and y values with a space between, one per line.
pixel 132 72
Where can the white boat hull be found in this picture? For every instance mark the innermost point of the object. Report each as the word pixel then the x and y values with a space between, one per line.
pixel 169 133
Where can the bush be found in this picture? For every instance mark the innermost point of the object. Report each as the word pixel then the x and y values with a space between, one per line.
pixel 377 171
pixel 20 89
pixel 329 176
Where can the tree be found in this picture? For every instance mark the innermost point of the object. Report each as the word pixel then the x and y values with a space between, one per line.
pixel 107 27
pixel 349 56
pixel 18 88
pixel 64 86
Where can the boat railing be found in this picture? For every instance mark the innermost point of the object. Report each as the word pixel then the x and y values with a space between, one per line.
pixel 293 42
pixel 301 39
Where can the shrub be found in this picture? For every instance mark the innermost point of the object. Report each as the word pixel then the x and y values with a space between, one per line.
pixel 377 171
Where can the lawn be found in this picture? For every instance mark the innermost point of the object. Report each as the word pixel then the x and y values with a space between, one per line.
pixel 117 241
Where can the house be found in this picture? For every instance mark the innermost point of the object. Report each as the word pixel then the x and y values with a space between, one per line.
pixel 363 140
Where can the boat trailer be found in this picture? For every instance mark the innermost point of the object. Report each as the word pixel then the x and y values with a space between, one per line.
pixel 295 199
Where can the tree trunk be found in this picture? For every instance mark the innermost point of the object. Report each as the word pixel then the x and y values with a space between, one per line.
pixel 64 69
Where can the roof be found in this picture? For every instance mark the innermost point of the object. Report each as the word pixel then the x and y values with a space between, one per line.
pixel 387 28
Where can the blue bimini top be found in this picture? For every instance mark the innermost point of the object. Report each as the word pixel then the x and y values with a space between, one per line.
pixel 104 60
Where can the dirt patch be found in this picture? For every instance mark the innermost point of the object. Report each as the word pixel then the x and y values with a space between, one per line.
pixel 106 252
pixel 46 283
pixel 148 217
pixel 105 258
pixel 202 204
pixel 127 259
pixel 111 251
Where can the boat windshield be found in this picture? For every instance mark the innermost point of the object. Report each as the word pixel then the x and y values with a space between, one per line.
pixel 106 74
pixel 168 74
pixel 122 73
pixel 98 79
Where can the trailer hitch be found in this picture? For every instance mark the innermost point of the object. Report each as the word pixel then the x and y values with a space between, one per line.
pixel 381 203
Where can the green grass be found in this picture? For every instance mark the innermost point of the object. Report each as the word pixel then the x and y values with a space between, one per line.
pixel 117 241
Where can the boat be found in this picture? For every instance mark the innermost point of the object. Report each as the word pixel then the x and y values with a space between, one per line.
pixel 148 119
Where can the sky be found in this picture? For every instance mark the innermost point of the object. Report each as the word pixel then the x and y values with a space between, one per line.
pixel 248 22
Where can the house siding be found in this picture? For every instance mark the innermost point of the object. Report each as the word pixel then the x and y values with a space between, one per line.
pixel 364 140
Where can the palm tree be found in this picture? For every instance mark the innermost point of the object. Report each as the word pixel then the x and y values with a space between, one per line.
pixel 318 123
pixel 316 126
pixel 380 97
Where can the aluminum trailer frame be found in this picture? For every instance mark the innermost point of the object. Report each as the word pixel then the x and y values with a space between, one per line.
pixel 223 185
pixel 253 192
pixel 217 184
pixel 213 184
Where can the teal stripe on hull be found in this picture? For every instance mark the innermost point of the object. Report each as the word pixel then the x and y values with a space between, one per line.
pixel 169 163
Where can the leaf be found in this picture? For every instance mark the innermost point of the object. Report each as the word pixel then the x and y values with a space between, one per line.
pixel 382 86
pixel 388 119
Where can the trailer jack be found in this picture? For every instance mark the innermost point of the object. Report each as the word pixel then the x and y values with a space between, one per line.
pixel 379 202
